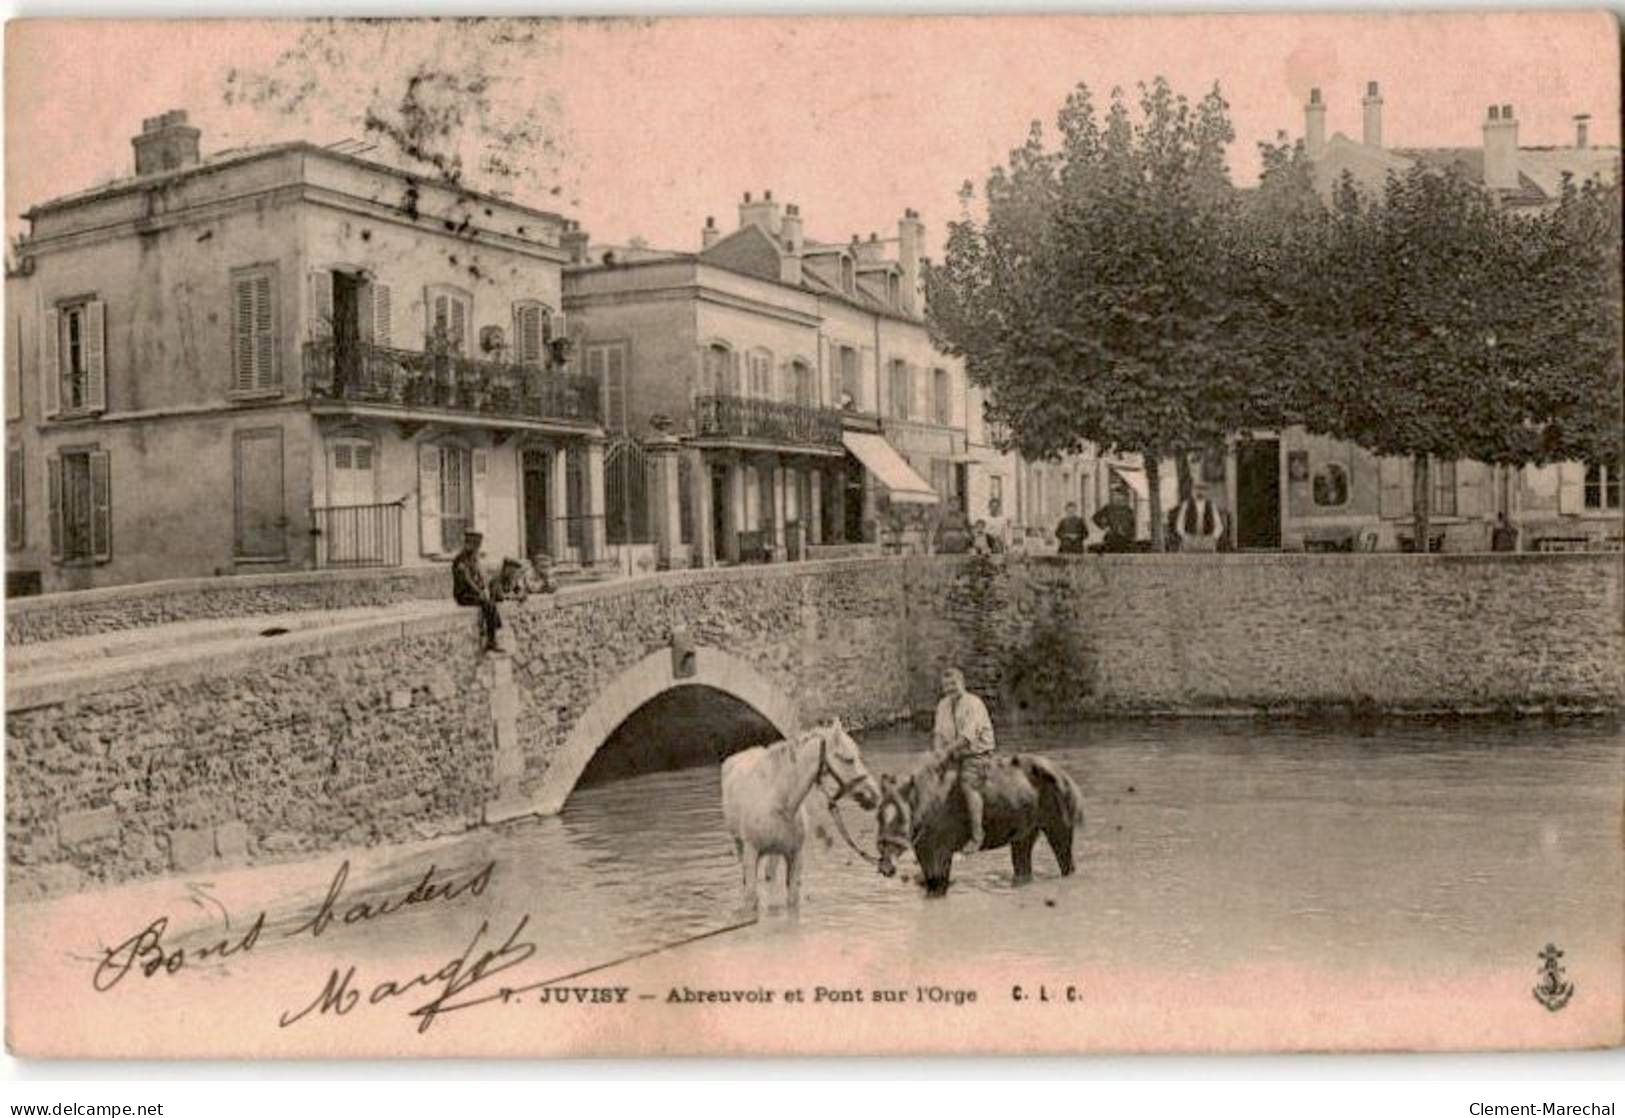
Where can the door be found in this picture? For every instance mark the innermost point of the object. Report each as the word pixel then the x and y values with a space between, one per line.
pixel 719 512
pixel 346 328
pixel 351 533
pixel 1258 494
pixel 533 470
pixel 261 521
pixel 854 501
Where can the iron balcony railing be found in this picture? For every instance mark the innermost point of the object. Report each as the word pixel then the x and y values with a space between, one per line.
pixel 364 373
pixel 357 535
pixel 766 420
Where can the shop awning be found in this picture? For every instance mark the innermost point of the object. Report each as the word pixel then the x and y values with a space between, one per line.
pixel 880 458
pixel 1134 479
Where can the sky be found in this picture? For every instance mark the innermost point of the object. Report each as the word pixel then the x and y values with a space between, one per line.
pixel 663 122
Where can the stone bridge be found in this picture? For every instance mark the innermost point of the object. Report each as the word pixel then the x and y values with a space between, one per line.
pixel 177 727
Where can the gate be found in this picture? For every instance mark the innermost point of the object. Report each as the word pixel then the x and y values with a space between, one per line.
pixel 628 482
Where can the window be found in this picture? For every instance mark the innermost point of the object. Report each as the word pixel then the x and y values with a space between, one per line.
pixel 995 495
pixel 445 496
pixel 1601 488
pixel 450 314
pixel 761 375
pixel 851 382
pixel 532 333
pixel 942 402
pixel 75 365
pixel 80 486
pixel 848 275
pixel 899 388
pixel 253 330
pixel 803 384
pixel 1443 476
pixel 16 525
pixel 1331 486
pixel 894 291
pixel 606 363
pixel 14 378
pixel 719 369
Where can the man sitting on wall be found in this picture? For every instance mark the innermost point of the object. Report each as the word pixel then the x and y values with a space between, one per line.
pixel 468 588
pixel 1199 523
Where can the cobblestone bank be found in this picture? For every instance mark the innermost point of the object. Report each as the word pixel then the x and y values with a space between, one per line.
pixel 80 613
pixel 1063 638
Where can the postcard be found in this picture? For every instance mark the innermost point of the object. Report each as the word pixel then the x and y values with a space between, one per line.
pixel 813 536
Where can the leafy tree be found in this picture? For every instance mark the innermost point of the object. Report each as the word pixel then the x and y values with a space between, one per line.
pixel 1102 298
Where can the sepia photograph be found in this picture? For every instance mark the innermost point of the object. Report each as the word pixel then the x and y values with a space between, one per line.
pixel 822 535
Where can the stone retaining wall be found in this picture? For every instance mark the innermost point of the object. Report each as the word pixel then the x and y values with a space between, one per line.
pixel 1063 638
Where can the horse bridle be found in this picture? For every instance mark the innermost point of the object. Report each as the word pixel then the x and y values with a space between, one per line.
pixel 842 787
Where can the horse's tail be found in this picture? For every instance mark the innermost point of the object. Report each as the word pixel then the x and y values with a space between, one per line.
pixel 1044 773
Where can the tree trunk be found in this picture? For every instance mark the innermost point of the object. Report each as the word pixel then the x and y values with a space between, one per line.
pixel 1182 462
pixel 1421 500
pixel 1153 481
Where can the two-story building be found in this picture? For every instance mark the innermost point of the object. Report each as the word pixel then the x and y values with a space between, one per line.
pixel 798 375
pixel 288 357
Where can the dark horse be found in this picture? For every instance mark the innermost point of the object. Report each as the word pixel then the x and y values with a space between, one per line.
pixel 1025 795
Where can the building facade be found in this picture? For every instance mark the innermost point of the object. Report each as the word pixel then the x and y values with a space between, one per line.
pixel 796 377
pixel 288 357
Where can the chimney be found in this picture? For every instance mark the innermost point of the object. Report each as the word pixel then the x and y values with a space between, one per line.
pixel 1501 149
pixel 764 213
pixel 1373 116
pixel 1582 130
pixel 870 251
pixel 1314 125
pixel 790 229
pixel 710 234
pixel 574 241
pixel 166 143
pixel 910 240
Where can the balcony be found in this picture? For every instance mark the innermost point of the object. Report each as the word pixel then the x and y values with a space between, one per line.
pixel 410 380
pixel 766 421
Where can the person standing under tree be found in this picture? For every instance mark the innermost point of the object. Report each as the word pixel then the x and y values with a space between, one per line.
pixel 964 733
pixel 1072 532
pixel 1198 523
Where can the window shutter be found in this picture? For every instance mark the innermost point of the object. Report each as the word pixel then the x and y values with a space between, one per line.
pixel 321 303
pixel 1394 500
pixel 95 355
pixel 615 388
pixel 14 379
pixel 1571 480
pixel 554 326
pixel 50 367
pixel 15 526
pixel 54 498
pixel 242 313
pixel 101 506
pixel 434 306
pixel 527 333
pixel 429 499
pixel 265 370
pixel 479 490
pixel 382 311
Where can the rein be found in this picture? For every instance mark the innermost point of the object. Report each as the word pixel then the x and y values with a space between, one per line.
pixel 842 788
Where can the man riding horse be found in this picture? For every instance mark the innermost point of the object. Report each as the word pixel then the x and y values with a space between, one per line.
pixel 964 733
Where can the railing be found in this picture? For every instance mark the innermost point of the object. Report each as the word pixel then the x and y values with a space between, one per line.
pixel 365 373
pixel 768 420
pixel 579 536
pixel 357 535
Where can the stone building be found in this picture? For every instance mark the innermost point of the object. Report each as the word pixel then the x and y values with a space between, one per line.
pixel 288 357
pixel 796 376
pixel 1294 490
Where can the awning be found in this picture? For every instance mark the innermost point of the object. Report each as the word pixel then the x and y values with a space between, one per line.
pixel 1134 479
pixel 880 458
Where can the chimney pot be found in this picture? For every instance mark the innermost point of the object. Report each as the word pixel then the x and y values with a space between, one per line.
pixel 1582 129
pixel 166 143
pixel 1314 125
pixel 747 195
pixel 1372 105
pixel 767 196
pixel 1314 95
pixel 1371 89
pixel 1506 112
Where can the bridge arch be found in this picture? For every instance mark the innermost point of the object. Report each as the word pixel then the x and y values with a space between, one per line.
pixel 643 681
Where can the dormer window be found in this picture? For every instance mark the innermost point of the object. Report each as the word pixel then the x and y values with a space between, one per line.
pixel 894 290
pixel 848 275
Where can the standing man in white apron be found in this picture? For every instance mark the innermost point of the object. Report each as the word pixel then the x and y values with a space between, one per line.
pixel 1200 524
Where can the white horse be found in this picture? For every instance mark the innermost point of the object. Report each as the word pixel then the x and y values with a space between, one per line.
pixel 762 793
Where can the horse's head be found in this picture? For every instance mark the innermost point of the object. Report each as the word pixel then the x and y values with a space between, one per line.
pixel 894 824
pixel 843 767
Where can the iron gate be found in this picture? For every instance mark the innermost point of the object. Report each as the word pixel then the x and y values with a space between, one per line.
pixel 628 483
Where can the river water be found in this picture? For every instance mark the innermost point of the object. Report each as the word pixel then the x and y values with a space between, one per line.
pixel 1240 885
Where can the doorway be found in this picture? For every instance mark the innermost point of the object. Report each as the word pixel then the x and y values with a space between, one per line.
pixel 534 472
pixel 720 542
pixel 1258 495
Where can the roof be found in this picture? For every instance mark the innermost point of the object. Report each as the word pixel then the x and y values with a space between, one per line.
pixel 1540 170
pixel 230 156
